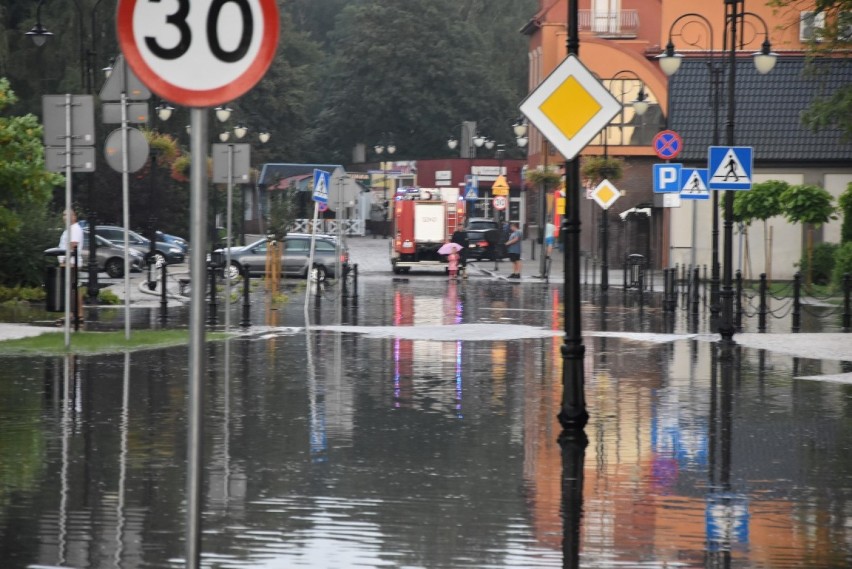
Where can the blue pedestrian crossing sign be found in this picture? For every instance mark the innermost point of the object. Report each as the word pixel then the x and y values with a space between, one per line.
pixel 471 187
pixel 729 167
pixel 321 181
pixel 694 184
pixel 667 177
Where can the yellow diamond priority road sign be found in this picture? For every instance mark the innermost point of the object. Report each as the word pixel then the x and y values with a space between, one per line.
pixel 605 194
pixel 570 107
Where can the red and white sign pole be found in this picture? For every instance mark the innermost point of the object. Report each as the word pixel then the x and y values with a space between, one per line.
pixel 198 53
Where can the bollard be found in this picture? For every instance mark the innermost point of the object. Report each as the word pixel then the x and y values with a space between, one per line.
pixel 668 293
pixel 704 286
pixel 211 315
pixel 738 317
pixel 762 309
pixel 355 284
pixel 164 301
pixel 846 315
pixel 245 321
pixel 797 301
pixel 640 279
pixel 696 294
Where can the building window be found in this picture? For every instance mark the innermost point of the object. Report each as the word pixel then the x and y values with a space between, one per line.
pixel 811 25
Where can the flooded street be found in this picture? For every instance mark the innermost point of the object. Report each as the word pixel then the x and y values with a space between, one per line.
pixel 417 429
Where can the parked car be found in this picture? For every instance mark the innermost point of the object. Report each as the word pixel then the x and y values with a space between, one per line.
pixel 163 252
pixel 174 240
pixel 296 249
pixel 110 257
pixel 485 239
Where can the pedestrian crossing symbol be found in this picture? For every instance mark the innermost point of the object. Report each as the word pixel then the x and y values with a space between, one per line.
pixel 730 167
pixel 695 184
pixel 320 186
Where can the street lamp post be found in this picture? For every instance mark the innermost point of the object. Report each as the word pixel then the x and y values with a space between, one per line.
pixel 39 35
pixel 474 140
pixel 640 105
pixel 764 62
pixel 164 113
pixel 380 149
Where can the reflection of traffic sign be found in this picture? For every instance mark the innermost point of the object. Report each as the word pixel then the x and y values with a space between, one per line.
pixel 667 144
pixel 667 177
pixel 605 194
pixel 321 180
pixel 729 167
pixel 199 57
pixel 694 184
pixel 570 107
pixel 500 186
pixel 499 203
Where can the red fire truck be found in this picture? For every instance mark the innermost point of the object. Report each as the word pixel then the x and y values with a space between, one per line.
pixel 423 220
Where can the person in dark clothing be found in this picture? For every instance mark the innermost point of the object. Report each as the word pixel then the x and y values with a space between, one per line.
pixel 460 237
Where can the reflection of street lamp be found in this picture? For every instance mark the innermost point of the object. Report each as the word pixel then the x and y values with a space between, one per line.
pixel 764 61
pixel 380 149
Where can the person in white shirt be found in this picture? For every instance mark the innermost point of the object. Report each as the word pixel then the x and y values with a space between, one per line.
pixel 73 246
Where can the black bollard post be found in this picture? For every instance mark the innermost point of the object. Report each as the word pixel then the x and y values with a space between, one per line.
pixel 846 316
pixel 164 301
pixel 640 280
pixel 696 294
pixel 704 286
pixel 355 284
pixel 762 309
pixel 738 318
pixel 211 305
pixel 797 301
pixel 667 290
pixel 245 321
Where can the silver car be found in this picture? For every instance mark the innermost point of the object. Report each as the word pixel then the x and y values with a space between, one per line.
pixel 296 248
pixel 110 258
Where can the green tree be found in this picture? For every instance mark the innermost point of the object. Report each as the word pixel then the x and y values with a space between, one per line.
pixel 833 109
pixel 25 193
pixel 414 70
pixel 845 203
pixel 762 202
pixel 809 205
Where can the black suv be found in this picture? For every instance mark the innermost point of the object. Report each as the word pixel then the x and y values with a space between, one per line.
pixel 485 239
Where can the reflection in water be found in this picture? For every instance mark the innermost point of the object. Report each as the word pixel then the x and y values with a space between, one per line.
pixel 332 449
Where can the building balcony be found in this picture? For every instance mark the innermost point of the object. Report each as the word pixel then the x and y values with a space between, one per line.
pixel 623 24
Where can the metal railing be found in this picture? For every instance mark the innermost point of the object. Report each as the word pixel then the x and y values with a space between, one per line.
pixel 620 24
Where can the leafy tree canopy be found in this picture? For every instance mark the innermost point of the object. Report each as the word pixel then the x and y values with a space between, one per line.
pixel 806 203
pixel 762 202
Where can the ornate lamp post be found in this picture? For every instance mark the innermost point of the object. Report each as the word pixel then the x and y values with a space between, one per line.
pixel 164 112
pixel 764 62
pixel 380 149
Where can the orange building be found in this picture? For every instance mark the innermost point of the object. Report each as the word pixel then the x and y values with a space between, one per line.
pixel 620 41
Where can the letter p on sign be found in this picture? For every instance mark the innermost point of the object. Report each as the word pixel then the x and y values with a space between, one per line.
pixel 667 178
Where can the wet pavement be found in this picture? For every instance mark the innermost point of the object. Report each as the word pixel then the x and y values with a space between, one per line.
pixel 415 426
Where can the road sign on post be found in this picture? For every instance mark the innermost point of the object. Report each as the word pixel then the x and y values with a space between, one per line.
pixel 605 194
pixel 667 177
pixel 729 167
pixel 500 186
pixel 500 203
pixel 193 56
pixel 570 107
pixel 321 181
pixel 667 144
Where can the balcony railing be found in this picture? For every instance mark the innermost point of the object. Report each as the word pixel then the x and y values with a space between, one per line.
pixel 620 24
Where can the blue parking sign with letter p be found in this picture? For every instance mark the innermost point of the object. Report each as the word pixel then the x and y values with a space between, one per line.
pixel 667 177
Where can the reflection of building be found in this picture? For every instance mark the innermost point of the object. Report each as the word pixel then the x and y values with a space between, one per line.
pixel 628 35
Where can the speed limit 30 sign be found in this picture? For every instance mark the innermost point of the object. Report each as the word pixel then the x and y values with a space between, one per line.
pixel 198 53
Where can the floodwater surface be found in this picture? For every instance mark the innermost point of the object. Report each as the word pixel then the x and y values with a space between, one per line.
pixel 417 429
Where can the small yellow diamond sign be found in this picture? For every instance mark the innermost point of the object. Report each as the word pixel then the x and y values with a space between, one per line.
pixel 570 107
pixel 605 194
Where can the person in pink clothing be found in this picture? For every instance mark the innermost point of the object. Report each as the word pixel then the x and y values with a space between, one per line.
pixel 453 259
